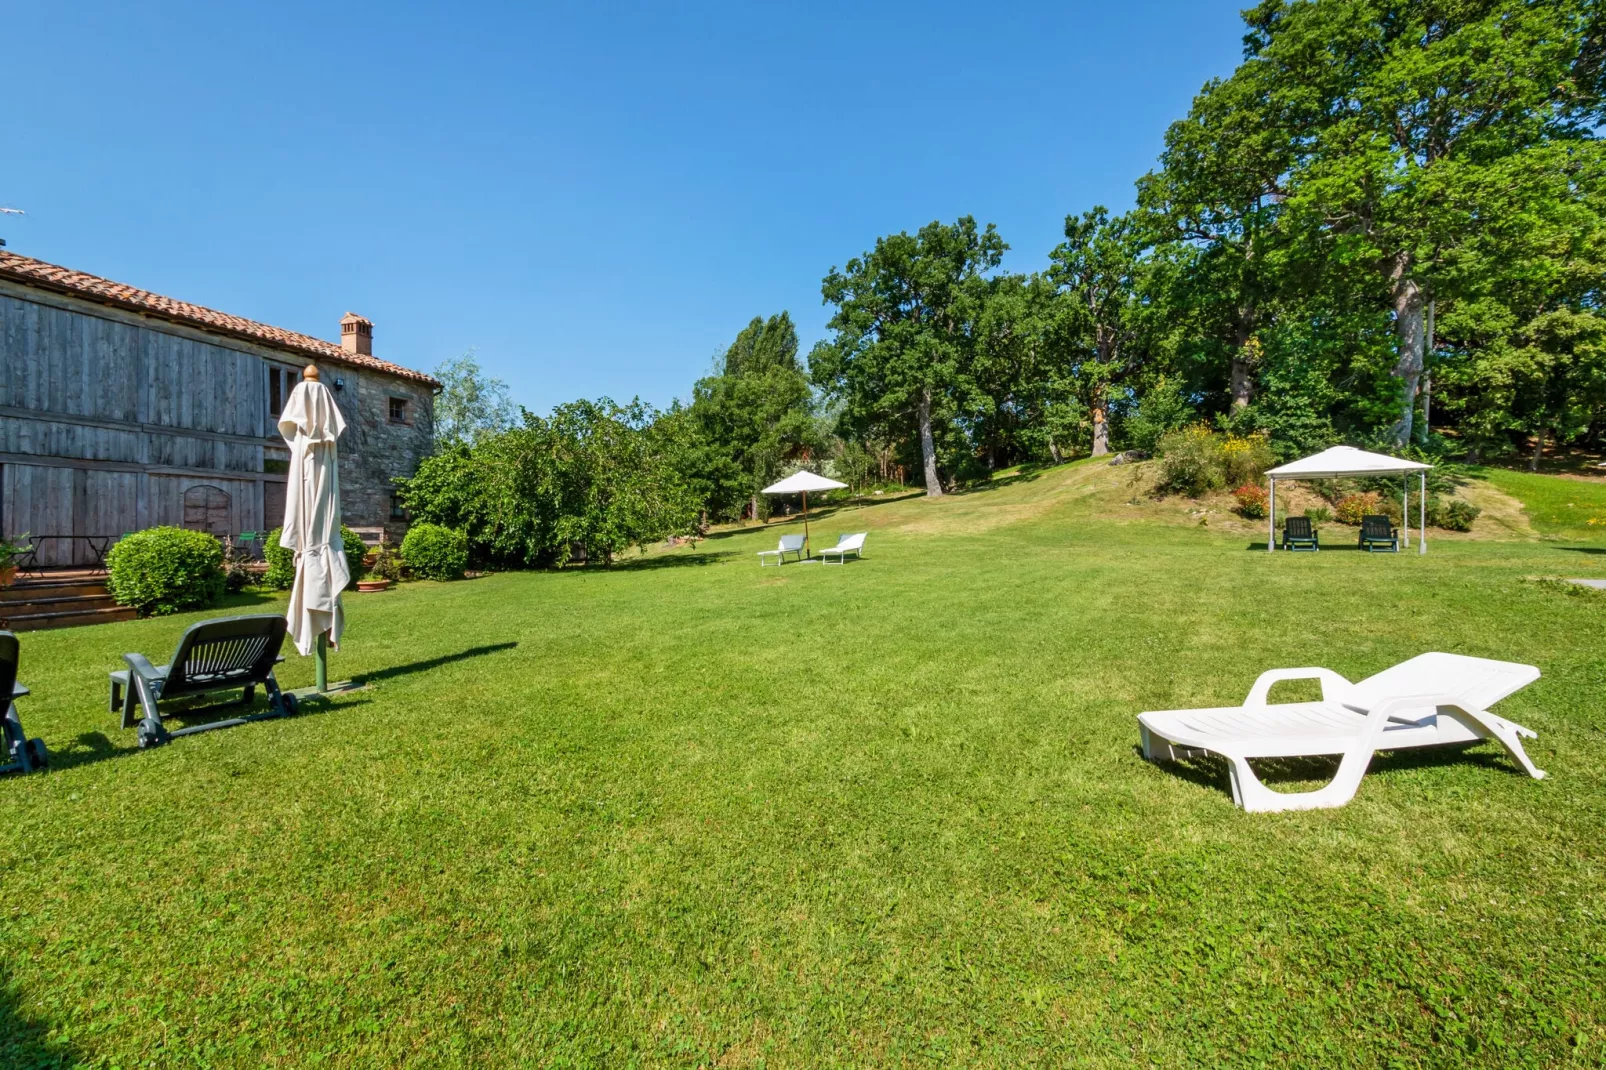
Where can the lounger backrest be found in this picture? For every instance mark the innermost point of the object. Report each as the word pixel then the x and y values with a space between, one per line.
pixel 850 542
pixel 1297 527
pixel 1477 682
pixel 9 651
pixel 791 542
pixel 1376 527
pixel 227 652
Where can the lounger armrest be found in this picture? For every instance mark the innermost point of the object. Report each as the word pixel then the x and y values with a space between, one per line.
pixel 141 666
pixel 1334 686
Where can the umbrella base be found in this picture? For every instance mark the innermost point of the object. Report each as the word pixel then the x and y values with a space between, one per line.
pixel 340 688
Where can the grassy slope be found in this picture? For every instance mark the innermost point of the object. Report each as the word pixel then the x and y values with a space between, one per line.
pixel 691 812
pixel 1560 506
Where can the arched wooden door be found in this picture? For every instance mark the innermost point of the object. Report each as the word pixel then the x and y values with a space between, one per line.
pixel 208 509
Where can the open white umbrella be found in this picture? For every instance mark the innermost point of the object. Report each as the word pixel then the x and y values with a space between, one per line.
pixel 801 483
pixel 311 423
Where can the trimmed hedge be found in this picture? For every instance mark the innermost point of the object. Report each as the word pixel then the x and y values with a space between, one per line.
pixel 164 570
pixel 435 552
pixel 281 574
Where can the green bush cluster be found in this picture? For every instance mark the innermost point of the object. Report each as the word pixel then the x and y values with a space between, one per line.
pixel 281 572
pixel 1196 460
pixel 1452 514
pixel 435 552
pixel 164 570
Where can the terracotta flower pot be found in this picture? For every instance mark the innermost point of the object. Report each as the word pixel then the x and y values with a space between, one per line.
pixel 369 586
pixel 8 574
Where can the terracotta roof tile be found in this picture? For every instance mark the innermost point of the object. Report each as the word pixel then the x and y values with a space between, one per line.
pixel 31 272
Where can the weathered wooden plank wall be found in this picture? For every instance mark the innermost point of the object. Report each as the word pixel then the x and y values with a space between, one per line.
pixel 131 402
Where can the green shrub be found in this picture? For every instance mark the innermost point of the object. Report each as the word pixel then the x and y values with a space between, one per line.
pixel 1319 514
pixel 1457 515
pixel 1352 507
pixel 1197 460
pixel 281 574
pixel 387 565
pixel 1188 462
pixel 435 552
pixel 164 570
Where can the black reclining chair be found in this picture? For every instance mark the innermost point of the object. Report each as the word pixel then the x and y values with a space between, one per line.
pixel 1298 534
pixel 214 655
pixel 1379 533
pixel 22 755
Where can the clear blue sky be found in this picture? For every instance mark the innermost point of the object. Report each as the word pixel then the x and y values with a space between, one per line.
pixel 595 196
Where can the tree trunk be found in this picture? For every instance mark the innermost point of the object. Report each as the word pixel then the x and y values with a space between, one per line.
pixel 928 446
pixel 1539 449
pixel 752 505
pixel 1101 429
pixel 1427 380
pixel 1408 336
pixel 1054 452
pixel 1243 359
pixel 1240 381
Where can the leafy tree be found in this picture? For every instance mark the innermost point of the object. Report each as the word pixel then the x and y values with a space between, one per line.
pixel 594 476
pixel 750 417
pixel 1393 109
pixel 470 404
pixel 904 326
pixel 1096 269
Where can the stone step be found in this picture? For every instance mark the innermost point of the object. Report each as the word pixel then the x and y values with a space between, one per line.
pixel 33 592
pixel 59 604
pixel 33 622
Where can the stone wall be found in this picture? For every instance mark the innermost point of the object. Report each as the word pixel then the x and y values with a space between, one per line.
pixel 375 451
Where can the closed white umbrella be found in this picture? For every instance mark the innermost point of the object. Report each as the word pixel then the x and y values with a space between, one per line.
pixel 801 483
pixel 311 423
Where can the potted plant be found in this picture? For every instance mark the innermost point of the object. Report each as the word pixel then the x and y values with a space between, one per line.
pixel 385 571
pixel 10 550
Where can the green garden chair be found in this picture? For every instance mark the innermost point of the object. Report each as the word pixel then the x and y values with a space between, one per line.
pixel 1298 534
pixel 22 755
pixel 1379 533
pixel 215 655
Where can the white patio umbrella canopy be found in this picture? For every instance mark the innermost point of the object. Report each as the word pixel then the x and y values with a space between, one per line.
pixel 310 424
pixel 801 483
pixel 1341 461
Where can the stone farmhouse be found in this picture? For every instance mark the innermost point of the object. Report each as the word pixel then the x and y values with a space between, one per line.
pixel 122 409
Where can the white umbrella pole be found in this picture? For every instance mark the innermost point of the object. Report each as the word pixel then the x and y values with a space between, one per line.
pixel 805 523
pixel 1271 520
pixel 1405 507
pixel 1422 512
pixel 320 661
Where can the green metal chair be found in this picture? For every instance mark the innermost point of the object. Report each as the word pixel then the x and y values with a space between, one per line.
pixel 1298 534
pixel 212 656
pixel 1379 533
pixel 22 755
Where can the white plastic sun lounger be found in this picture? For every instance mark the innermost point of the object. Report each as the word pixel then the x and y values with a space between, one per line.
pixel 1432 700
pixel 845 544
pixel 790 544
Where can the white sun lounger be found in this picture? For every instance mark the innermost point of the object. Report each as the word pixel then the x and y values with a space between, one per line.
pixel 845 544
pixel 1432 700
pixel 790 544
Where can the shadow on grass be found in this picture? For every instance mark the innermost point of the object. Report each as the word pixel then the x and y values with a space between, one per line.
pixel 1338 548
pixel 1583 549
pixel 1310 773
pixel 24 1042
pixel 431 663
pixel 90 747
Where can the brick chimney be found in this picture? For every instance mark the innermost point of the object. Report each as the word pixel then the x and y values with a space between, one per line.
pixel 356 334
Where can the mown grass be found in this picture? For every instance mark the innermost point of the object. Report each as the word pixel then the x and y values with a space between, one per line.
pixel 691 812
pixel 1573 508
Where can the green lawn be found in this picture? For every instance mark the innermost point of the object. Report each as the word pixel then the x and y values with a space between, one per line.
pixel 688 812
pixel 1556 505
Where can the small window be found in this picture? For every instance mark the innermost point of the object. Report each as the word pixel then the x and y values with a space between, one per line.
pixel 397 510
pixel 276 390
pixel 398 411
